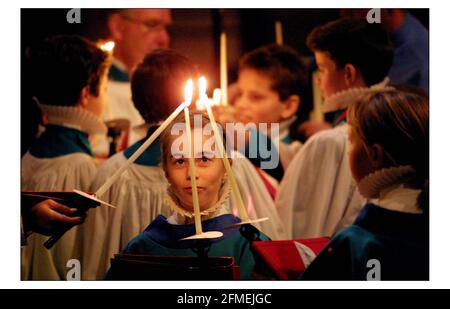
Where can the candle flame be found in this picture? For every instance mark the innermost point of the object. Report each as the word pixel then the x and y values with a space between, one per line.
pixel 202 86
pixel 188 90
pixel 217 94
pixel 108 46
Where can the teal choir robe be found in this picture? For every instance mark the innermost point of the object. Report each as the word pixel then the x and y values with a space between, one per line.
pixel 397 240
pixel 164 239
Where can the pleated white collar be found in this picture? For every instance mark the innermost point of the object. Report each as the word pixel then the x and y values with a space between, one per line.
pixel 388 189
pixel 74 117
pixel 183 216
pixel 341 99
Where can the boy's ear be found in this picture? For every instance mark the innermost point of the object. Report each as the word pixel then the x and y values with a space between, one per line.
pixel 84 97
pixel 290 106
pixel 350 75
pixel 376 156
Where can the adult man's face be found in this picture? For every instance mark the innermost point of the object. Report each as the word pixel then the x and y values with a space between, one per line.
pixel 137 32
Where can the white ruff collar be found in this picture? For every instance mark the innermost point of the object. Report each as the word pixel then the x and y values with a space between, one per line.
pixel 371 186
pixel 74 117
pixel 173 202
pixel 341 99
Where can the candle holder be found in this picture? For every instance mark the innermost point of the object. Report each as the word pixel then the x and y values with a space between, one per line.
pixel 204 235
pixel 250 221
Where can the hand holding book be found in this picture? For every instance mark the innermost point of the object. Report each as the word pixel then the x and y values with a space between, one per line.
pixel 53 213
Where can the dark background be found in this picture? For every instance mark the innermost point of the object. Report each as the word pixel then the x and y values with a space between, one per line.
pixel 195 33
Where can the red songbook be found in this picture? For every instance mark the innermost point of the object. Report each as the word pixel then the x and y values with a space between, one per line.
pixel 288 259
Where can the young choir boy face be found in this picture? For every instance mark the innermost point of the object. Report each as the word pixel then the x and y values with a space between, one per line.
pixel 331 78
pixel 95 104
pixel 360 162
pixel 257 102
pixel 209 170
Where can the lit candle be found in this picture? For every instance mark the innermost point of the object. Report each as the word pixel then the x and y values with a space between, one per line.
pixel 204 99
pixel 188 96
pixel 278 32
pixel 223 68
pixel 108 46
pixel 216 96
pixel 140 150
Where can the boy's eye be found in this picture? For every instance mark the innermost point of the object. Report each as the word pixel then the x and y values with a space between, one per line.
pixel 203 160
pixel 255 97
pixel 179 161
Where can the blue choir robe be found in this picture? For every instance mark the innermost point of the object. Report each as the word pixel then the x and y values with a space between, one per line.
pixel 398 240
pixel 163 238
pixel 411 54
pixel 139 195
pixel 282 150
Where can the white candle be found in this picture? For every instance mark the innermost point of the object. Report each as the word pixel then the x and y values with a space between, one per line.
pixel 278 32
pixel 140 150
pixel 217 94
pixel 223 68
pixel 204 99
pixel 188 90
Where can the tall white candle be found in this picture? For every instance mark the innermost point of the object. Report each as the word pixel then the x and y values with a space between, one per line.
pixel 223 68
pixel 217 94
pixel 139 151
pixel 218 138
pixel 278 32
pixel 195 201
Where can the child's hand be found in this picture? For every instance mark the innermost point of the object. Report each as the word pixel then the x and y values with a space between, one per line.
pixel 48 215
pixel 223 114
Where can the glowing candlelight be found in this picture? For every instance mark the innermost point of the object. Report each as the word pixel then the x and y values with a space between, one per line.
pixel 202 88
pixel 223 68
pixel 278 32
pixel 188 91
pixel 108 46
pixel 143 147
pixel 204 99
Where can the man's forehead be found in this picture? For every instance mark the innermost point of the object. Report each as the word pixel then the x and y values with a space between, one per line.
pixel 161 15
